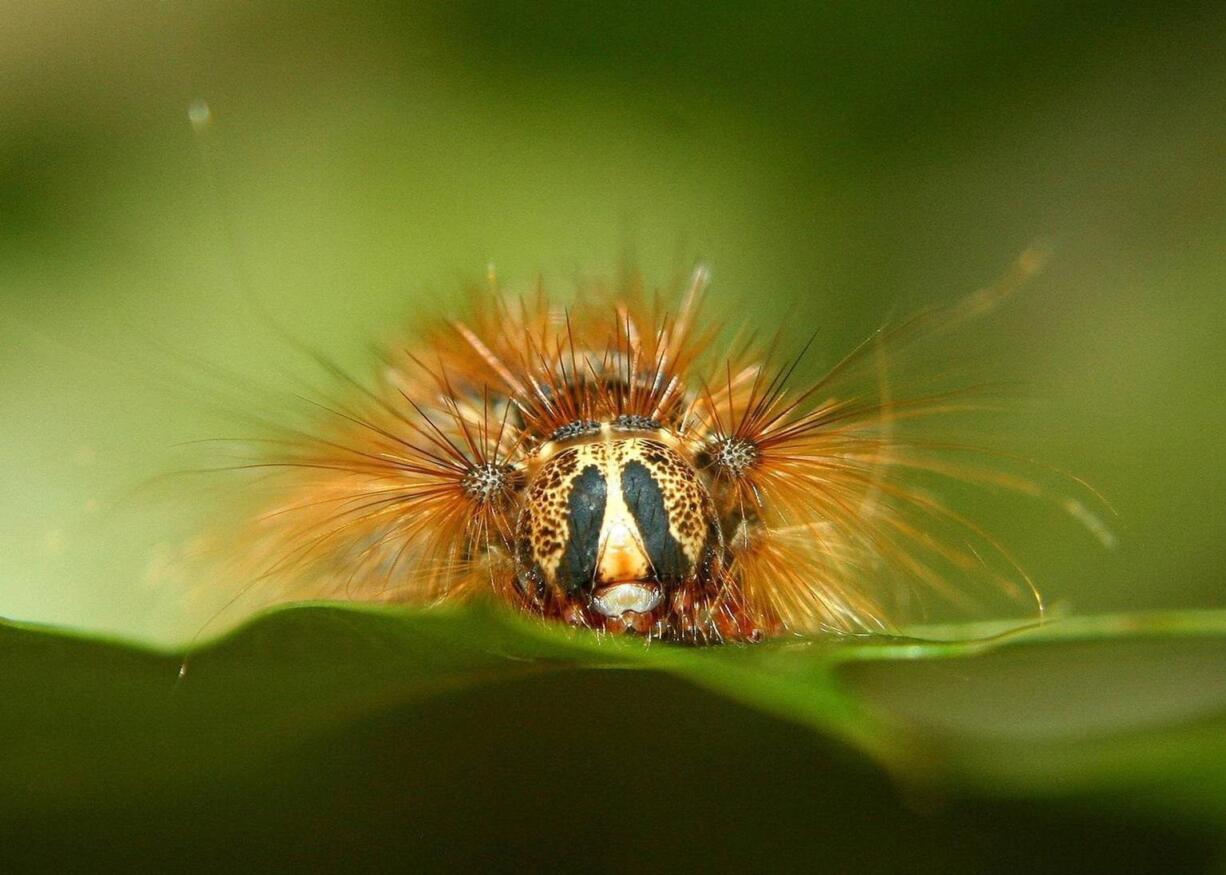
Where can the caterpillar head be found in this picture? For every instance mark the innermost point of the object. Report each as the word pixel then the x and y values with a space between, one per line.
pixel 617 530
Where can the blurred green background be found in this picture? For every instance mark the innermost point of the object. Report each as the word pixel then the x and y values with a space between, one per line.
pixel 850 161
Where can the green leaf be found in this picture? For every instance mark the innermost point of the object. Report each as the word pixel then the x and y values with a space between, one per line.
pixel 325 734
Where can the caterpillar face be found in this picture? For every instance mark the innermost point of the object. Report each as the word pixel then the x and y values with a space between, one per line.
pixel 604 465
pixel 613 529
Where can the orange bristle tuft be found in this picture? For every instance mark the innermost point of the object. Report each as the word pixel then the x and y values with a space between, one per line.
pixel 599 465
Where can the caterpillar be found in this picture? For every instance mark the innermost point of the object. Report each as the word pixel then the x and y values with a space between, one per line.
pixel 619 464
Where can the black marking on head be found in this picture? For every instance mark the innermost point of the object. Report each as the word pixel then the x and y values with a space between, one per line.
pixel 578 428
pixel 588 496
pixel 646 503
pixel 632 422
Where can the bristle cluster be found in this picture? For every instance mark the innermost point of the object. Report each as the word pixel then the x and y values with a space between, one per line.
pixel 490 482
pixel 733 456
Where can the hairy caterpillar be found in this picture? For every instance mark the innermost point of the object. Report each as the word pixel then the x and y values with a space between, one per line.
pixel 612 465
